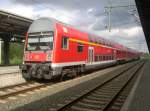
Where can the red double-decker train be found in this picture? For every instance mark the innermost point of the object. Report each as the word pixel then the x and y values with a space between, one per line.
pixel 53 49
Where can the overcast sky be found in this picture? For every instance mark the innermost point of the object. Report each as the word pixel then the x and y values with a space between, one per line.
pixel 90 15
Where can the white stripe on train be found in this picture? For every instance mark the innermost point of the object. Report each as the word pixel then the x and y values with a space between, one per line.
pixel 81 62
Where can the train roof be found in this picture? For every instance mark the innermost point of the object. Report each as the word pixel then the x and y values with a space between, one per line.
pixel 47 24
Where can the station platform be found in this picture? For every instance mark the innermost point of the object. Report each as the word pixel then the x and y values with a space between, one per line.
pixel 9 69
pixel 139 100
pixel 10 75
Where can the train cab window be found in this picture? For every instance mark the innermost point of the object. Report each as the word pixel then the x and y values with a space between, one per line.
pixel 80 47
pixel 65 43
pixel 40 41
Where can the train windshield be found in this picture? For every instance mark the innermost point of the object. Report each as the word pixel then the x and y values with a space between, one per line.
pixel 42 41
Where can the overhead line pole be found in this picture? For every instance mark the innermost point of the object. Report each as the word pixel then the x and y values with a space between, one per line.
pixel 109 8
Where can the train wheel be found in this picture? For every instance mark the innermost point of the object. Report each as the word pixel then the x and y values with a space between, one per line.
pixel 63 75
pixel 74 73
pixel 39 73
pixel 67 74
pixel 26 76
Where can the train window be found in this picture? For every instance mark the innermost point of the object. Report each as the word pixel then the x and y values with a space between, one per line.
pixel 103 57
pixel 106 57
pixel 80 47
pixel 110 57
pixel 65 42
pixel 100 58
pixel 96 58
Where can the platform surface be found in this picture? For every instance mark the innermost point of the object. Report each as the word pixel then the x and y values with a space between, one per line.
pixel 9 69
pixel 141 97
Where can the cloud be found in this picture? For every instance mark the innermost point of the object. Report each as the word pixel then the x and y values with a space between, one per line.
pixel 132 32
pixel 26 11
pixel 88 15
pixel 84 12
pixel 65 16
pixel 68 4
pixel 132 37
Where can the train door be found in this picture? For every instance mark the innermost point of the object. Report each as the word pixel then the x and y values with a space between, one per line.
pixel 115 55
pixel 90 54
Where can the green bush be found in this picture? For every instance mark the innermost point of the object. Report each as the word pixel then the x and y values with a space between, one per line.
pixel 16 53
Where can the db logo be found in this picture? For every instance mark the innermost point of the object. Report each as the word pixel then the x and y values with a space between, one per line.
pixel 65 29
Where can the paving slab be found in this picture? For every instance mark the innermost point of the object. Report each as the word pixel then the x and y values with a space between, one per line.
pixel 9 69
pixel 139 98
pixel 10 75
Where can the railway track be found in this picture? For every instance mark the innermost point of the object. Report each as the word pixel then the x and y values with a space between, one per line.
pixel 14 90
pixel 28 87
pixel 108 96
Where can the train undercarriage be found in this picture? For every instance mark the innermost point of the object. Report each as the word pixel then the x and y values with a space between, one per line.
pixel 32 71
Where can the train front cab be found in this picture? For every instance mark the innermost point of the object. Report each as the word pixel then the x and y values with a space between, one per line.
pixel 38 50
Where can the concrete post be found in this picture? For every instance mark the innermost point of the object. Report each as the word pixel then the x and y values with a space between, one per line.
pixel 6 40
pixel 6 52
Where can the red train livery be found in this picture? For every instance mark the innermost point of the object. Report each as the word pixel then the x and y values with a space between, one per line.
pixel 55 49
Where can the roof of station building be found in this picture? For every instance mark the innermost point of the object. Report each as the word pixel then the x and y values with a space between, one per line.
pixel 13 23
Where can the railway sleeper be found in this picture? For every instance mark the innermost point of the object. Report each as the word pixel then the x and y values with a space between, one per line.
pixel 76 108
pixel 93 106
pixel 94 102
